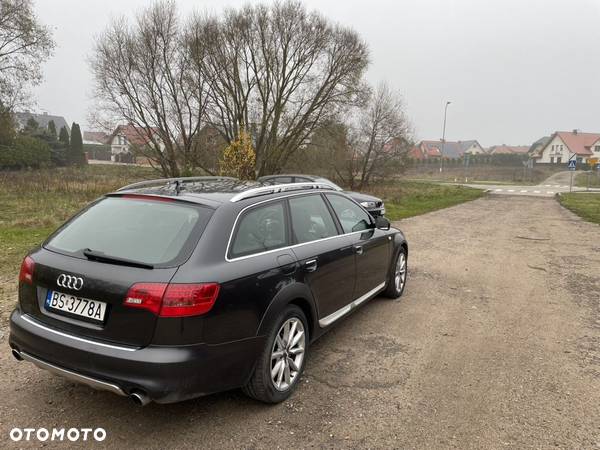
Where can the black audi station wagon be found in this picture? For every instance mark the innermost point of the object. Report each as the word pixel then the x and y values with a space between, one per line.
pixel 171 289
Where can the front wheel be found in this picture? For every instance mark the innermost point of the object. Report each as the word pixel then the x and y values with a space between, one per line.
pixel 397 277
pixel 280 366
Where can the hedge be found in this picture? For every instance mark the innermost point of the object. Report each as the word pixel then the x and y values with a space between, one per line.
pixel 26 152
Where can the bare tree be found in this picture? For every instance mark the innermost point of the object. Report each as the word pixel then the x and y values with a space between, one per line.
pixel 24 45
pixel 378 140
pixel 145 76
pixel 277 71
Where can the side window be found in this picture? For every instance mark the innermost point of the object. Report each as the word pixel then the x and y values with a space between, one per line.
pixel 311 219
pixel 301 180
pixel 259 230
pixel 352 217
pixel 283 180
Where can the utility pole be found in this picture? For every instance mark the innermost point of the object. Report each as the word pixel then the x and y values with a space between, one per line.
pixel 443 138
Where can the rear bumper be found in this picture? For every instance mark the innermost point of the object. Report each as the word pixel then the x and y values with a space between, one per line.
pixel 165 373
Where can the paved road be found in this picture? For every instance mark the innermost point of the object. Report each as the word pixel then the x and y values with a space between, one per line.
pixel 496 345
pixel 557 183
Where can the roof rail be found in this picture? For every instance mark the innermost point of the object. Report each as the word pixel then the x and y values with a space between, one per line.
pixel 276 188
pixel 167 181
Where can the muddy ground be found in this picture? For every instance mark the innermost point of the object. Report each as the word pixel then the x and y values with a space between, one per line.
pixel 496 344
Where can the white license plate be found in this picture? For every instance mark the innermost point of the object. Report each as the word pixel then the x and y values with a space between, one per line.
pixel 71 304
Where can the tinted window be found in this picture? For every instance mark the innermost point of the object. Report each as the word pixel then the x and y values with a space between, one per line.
pixel 351 216
pixel 282 180
pixel 259 230
pixel 311 219
pixel 148 231
pixel 301 180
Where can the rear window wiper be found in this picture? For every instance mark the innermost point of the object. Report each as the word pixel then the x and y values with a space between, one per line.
pixel 96 255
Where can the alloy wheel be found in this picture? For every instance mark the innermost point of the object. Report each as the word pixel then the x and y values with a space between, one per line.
pixel 287 353
pixel 400 274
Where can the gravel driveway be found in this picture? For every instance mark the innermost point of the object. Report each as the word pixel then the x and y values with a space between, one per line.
pixel 496 344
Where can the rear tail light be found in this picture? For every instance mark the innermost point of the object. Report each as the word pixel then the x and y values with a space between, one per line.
pixel 173 300
pixel 182 300
pixel 146 296
pixel 26 273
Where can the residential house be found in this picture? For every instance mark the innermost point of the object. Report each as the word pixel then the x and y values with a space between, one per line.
pixel 127 141
pixel 565 145
pixel 95 137
pixel 447 149
pixel 508 150
pixel 96 145
pixel 536 148
pixel 21 119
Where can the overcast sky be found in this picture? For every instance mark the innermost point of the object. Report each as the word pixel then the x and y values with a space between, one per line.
pixel 515 70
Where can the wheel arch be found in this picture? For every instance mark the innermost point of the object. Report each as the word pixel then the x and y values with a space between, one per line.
pixel 294 294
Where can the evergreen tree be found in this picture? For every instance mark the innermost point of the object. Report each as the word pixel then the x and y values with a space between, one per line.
pixel 75 152
pixel 63 136
pixel 52 129
pixel 7 127
pixel 31 127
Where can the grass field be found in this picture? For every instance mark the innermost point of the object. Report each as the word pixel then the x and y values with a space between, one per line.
pixel 410 198
pixel 584 205
pixel 593 178
pixel 35 203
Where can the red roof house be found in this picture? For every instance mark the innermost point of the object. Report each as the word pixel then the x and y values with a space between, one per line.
pixel 566 145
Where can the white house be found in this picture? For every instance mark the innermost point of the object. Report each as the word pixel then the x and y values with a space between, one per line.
pixel 471 147
pixel 127 138
pixel 565 145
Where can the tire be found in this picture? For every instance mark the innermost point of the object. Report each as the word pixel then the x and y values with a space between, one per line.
pixel 395 285
pixel 267 384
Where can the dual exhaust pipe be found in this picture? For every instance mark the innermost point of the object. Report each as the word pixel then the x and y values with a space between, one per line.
pixel 138 397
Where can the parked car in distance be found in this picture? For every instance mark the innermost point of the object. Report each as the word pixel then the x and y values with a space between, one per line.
pixel 172 289
pixel 374 205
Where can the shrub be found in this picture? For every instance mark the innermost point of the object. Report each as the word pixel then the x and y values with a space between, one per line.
pixel 25 152
pixel 239 158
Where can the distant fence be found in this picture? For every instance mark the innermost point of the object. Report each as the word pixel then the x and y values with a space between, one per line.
pixel 94 151
pixel 507 160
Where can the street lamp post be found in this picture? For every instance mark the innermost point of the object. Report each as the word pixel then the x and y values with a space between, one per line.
pixel 443 138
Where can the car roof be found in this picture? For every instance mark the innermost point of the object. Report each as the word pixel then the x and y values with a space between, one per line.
pixel 214 191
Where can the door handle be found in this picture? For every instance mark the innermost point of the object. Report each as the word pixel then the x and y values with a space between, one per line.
pixel 358 249
pixel 310 265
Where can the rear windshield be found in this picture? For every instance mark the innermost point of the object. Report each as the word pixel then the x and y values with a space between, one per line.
pixel 144 230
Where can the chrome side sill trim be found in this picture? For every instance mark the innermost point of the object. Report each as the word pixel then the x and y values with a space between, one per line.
pixel 76 338
pixel 328 320
pixel 74 376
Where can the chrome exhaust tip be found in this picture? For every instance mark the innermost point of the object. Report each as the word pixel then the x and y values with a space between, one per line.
pixel 139 398
pixel 17 354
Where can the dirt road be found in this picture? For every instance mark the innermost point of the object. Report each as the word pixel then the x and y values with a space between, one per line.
pixel 496 344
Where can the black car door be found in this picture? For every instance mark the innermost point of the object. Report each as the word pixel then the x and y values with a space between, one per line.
pixel 371 246
pixel 325 257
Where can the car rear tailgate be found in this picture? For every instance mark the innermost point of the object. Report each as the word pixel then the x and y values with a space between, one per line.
pixel 103 282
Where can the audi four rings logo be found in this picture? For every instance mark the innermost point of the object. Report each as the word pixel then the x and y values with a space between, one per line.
pixel 69 281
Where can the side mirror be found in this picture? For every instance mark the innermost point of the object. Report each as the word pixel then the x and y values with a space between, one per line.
pixel 382 223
